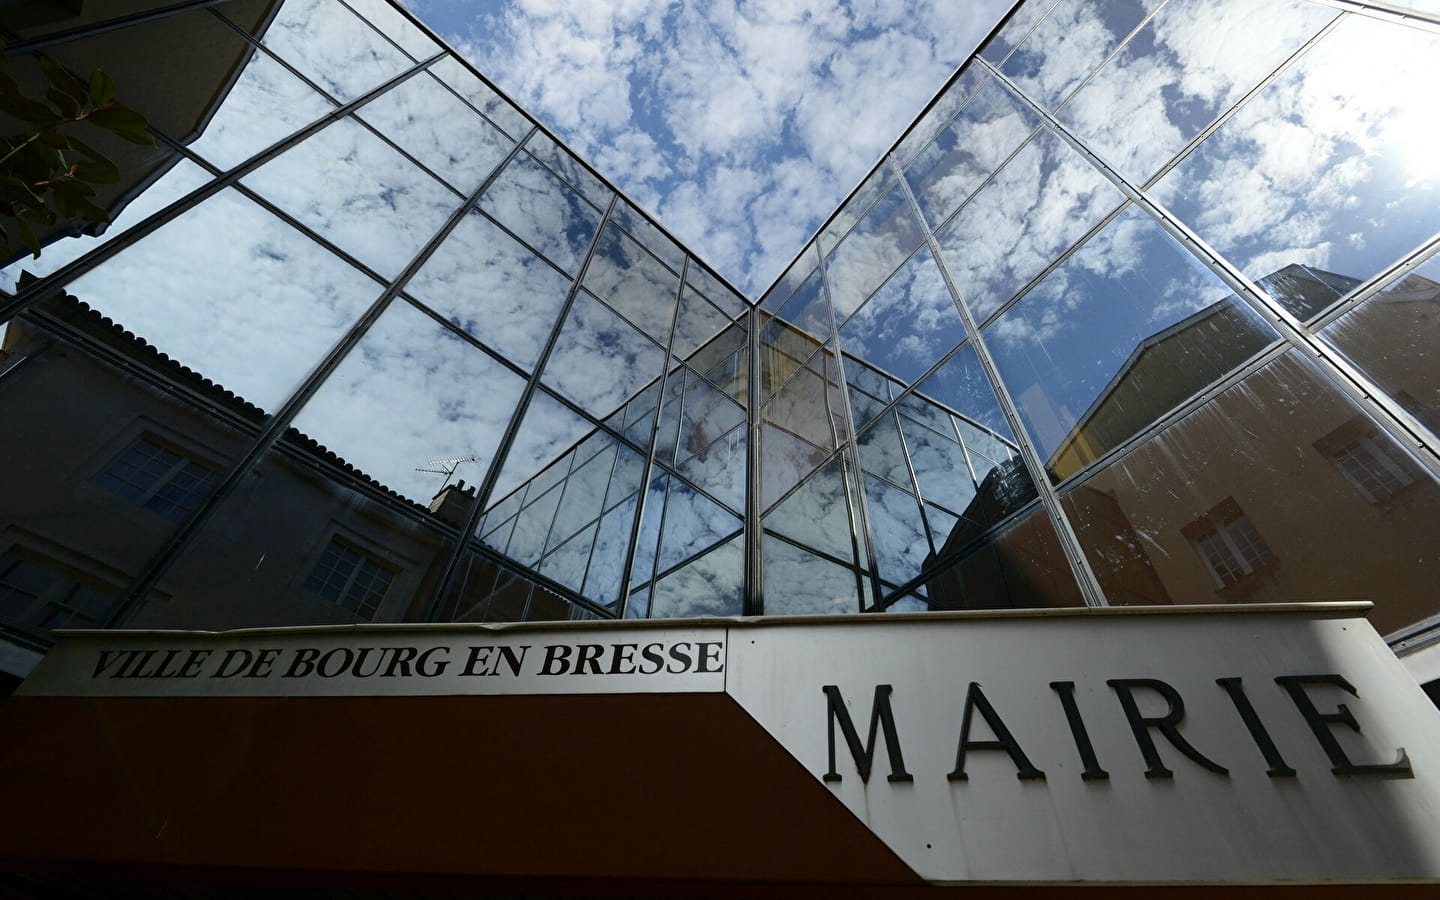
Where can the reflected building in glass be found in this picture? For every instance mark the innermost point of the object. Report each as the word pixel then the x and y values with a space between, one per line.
pixel 1142 310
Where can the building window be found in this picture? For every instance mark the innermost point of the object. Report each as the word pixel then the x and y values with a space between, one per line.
pixel 1229 544
pixel 36 598
pixel 1376 467
pixel 350 578
pixel 159 478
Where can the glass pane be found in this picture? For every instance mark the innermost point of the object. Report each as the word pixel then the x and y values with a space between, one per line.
pixel 882 453
pixel 1023 567
pixel 266 104
pixel 785 460
pixel 1022 18
pixel 493 287
pixel 409 394
pixel 1069 43
pixel 484 98
pixel 438 129
pixel 633 283
pixel 355 190
pixel 1393 337
pixel 880 243
pixel 818 513
pixel 548 431
pixel 800 583
pixel 714 291
pixel 168 186
pixel 902 550
pixel 1356 107
pixel 693 523
pixel 567 563
pixel 719 468
pixel 939 114
pixel 180 289
pixel 964 154
pixel 698 321
pixel 539 209
pixel 854 208
pixel 390 22
pixel 1238 502
pixel 607 560
pixel 563 163
pixel 648 539
pixel 644 231
pixel 333 47
pixel 1128 328
pixel 1196 58
pixel 712 585
pixel 909 323
pixel 1044 200
pixel 599 361
pixel 294 546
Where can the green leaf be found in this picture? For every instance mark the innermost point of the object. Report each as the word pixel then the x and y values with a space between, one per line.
pixel 63 102
pixel 63 81
pixel 72 187
pixel 102 88
pixel 40 215
pixel 91 212
pixel 16 190
pixel 123 122
pixel 87 150
pixel 55 139
pixel 97 172
pixel 27 236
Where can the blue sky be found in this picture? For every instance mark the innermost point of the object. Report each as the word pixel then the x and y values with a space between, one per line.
pixel 739 124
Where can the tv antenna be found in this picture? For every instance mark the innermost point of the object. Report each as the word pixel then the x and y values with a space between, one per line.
pixel 446 467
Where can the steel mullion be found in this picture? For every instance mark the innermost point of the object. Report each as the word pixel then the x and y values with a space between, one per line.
pixel 1070 545
pixel 275 428
pixel 1398 422
pixel 522 405
pixel 753 603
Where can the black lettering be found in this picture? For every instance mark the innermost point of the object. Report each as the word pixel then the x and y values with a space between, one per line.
pixel 358 669
pixel 164 663
pixel 223 671
pixel 135 664
pixel 1320 727
pixel 107 659
pixel 975 700
pixel 880 717
pixel 193 662
pixel 1258 734
pixel 438 666
pixel 709 651
pixel 303 663
pixel 1078 731
pixel 511 659
pixel 400 658
pixel 478 656
pixel 558 656
pixel 589 655
pixel 347 658
pixel 651 653
pixel 622 653
pixel 1140 725
pixel 264 660
pixel 679 653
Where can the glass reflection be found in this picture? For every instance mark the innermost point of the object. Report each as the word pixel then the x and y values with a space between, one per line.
pixel 985 132
pixel 359 192
pixel 600 361
pixel 818 514
pixel 439 130
pixel 943 109
pixel 258 335
pixel 1196 59
pixel 1044 200
pixel 1357 107
pixel 1124 330
pixel 712 585
pixel 484 98
pixel 396 26
pixel 1069 43
pixel 641 228
pixel 333 47
pixel 700 278
pixel 882 240
pixel 1022 567
pixel 801 583
pixel 633 283
pixel 563 163
pixel 491 286
pixel 539 209
pixel 437 396
pixel 1393 336
pixel 698 321
pixel 266 104
pixel 908 324
pixel 547 431
pixel 1240 500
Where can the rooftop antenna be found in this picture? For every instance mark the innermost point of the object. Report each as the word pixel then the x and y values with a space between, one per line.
pixel 447 467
